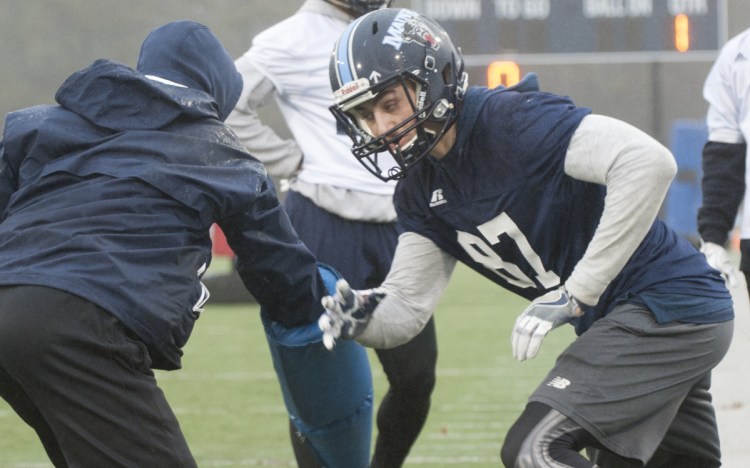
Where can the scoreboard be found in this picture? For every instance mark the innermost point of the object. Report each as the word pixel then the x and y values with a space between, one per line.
pixel 579 26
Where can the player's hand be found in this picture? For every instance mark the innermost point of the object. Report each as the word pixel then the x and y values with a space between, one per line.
pixel 545 313
pixel 347 312
pixel 718 258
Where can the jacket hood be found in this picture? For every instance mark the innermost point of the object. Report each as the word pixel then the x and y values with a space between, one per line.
pixel 188 53
pixel 183 73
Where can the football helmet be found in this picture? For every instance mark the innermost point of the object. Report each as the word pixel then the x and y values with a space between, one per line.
pixel 396 47
pixel 360 7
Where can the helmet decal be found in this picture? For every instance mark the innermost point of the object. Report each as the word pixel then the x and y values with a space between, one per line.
pixel 350 89
pixel 343 55
pixel 395 36
pixel 417 31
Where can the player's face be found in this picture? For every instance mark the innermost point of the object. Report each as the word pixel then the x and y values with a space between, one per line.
pixel 388 109
pixel 393 116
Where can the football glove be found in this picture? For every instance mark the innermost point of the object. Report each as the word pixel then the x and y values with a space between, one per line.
pixel 347 312
pixel 545 313
pixel 718 258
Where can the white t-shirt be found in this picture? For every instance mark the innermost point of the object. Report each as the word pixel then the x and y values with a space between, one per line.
pixel 727 90
pixel 290 61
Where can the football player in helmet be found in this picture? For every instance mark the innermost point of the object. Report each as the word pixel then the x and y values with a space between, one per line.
pixel 330 192
pixel 425 65
pixel 551 202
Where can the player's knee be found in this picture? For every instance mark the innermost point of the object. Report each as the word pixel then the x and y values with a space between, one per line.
pixel 410 368
pixel 418 383
pixel 518 433
pixel 542 434
pixel 508 455
pixel 415 377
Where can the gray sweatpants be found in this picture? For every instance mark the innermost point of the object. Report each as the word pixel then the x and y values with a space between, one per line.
pixel 639 386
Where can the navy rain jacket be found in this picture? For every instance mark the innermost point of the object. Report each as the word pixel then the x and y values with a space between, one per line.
pixel 110 195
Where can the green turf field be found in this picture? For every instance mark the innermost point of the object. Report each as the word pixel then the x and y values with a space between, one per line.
pixel 230 407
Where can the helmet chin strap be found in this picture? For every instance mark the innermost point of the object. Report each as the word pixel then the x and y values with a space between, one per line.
pixel 418 143
pixel 408 144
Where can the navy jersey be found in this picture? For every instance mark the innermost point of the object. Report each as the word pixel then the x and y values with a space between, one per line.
pixel 501 203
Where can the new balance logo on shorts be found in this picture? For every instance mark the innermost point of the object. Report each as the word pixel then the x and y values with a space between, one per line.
pixel 437 198
pixel 558 382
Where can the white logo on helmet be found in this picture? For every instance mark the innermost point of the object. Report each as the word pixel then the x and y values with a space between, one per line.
pixel 421 98
pixel 394 37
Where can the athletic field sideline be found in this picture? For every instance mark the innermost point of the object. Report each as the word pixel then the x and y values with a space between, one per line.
pixel 230 407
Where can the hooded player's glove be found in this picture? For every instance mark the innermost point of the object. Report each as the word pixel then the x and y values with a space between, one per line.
pixel 545 313
pixel 718 258
pixel 347 312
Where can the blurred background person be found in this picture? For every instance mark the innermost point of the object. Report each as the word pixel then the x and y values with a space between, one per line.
pixel 330 192
pixel 727 90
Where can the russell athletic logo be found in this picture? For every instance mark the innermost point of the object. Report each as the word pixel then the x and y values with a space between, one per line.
pixel 559 382
pixel 437 198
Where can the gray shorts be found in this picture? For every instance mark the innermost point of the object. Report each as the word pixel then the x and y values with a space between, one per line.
pixel 637 385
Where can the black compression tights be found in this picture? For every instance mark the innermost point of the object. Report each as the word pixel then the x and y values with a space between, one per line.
pixel 410 369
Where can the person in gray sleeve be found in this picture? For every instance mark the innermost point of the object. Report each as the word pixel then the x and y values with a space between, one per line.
pixel 725 166
pixel 331 192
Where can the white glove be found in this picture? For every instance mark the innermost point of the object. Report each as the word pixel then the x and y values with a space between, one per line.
pixel 347 312
pixel 545 313
pixel 718 258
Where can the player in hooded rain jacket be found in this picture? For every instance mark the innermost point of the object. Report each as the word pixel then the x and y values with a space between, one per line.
pixel 106 201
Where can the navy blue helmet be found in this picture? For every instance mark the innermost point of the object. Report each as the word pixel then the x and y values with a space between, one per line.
pixel 396 47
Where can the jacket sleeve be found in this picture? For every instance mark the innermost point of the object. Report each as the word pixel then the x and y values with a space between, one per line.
pixel 723 187
pixel 274 264
pixel 8 177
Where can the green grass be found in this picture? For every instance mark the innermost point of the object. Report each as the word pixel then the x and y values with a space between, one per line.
pixel 229 404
